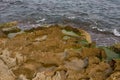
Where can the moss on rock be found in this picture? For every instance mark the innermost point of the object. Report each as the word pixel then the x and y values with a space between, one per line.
pixel 45 53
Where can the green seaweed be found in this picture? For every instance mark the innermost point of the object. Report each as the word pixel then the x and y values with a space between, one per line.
pixel 111 54
pixel 66 37
pixel 83 42
pixel 8 24
pixel 70 33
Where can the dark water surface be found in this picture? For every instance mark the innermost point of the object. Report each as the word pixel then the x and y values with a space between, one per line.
pixel 92 15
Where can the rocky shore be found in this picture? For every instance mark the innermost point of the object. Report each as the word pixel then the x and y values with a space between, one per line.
pixel 55 52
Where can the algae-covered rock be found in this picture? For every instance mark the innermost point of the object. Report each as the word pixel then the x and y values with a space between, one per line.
pixel 9 24
pixel 111 54
pixel 10 27
pixel 116 48
pixel 56 52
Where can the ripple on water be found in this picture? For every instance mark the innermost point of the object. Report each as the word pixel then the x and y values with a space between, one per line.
pixel 104 14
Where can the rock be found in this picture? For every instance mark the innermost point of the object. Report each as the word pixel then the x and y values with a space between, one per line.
pixel 87 52
pixel 54 53
pixel 22 77
pixel 3 41
pixel 86 35
pixel 5 56
pixel 66 37
pixel 10 27
pixel 13 29
pixel 114 76
pixel 9 24
pixel 11 35
pixel 75 64
pixel 93 60
pixel 70 33
pixel 99 71
pixel 57 76
pixel 2 35
pixel 117 65
pixel 41 38
pixel 116 48
pixel 5 73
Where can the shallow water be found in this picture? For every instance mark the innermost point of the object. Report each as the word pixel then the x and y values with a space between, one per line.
pixel 101 15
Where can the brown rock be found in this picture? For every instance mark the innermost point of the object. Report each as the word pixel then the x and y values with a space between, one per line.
pixel 5 73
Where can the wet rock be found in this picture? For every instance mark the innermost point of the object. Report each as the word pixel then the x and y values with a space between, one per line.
pixel 9 24
pixel 13 29
pixel 10 27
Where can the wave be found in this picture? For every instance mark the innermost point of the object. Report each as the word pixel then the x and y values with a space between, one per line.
pixel 116 32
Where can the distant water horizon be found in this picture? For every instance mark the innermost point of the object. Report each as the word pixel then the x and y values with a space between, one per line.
pixel 101 15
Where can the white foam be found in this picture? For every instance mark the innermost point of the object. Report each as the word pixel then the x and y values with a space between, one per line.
pixel 41 20
pixel 100 29
pixel 116 33
pixel 72 17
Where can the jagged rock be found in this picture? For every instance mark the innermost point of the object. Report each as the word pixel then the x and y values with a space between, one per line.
pixel 99 71
pixel 10 27
pixel 116 48
pixel 87 35
pixel 114 76
pixel 5 56
pixel 117 65
pixel 87 52
pixel 75 64
pixel 59 75
pixel 5 73
pixel 54 53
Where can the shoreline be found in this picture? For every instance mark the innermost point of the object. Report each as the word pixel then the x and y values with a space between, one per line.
pixel 103 39
pixel 99 37
pixel 56 52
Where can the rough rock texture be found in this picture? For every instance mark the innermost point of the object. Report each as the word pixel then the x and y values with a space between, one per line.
pixel 54 53
pixel 5 72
